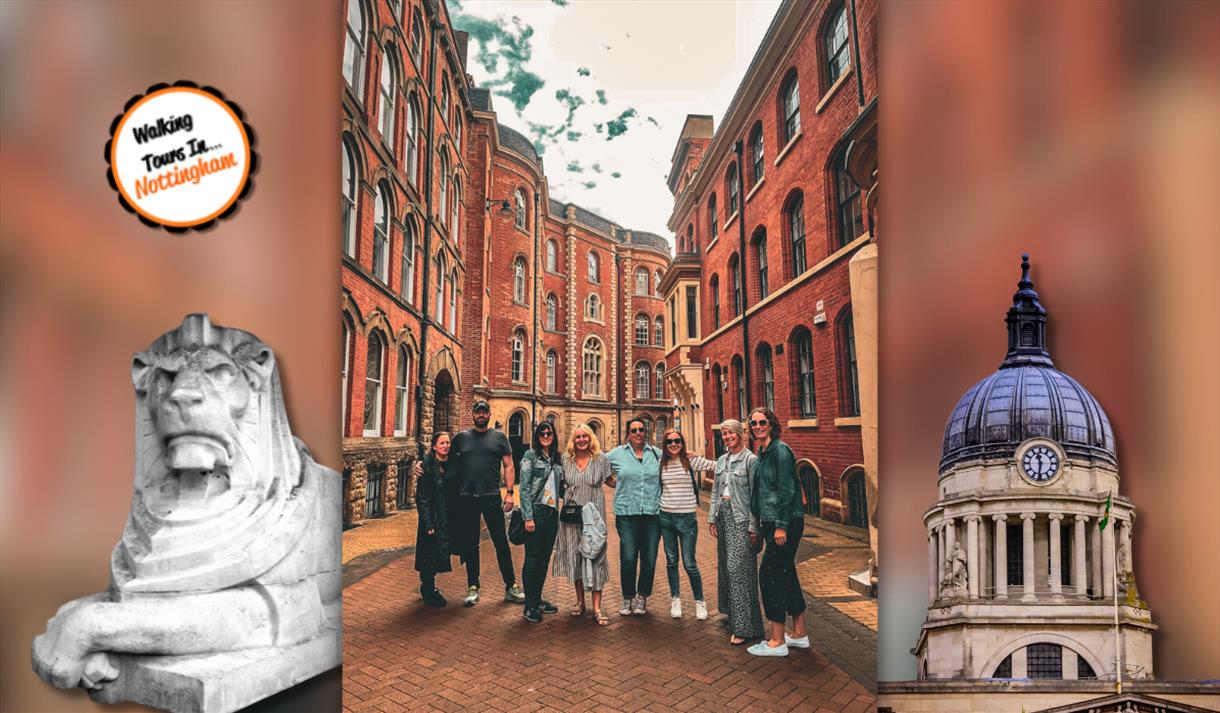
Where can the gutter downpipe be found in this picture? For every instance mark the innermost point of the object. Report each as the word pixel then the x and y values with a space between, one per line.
pixel 745 314
pixel 437 26
pixel 534 308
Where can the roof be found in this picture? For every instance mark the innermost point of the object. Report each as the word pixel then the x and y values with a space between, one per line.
pixel 517 141
pixel 480 99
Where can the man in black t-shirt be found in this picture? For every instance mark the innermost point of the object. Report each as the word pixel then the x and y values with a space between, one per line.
pixel 475 460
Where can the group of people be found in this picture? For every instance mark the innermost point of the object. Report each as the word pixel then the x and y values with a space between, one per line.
pixel 756 504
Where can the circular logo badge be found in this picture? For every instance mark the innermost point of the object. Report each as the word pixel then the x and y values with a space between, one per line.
pixel 180 156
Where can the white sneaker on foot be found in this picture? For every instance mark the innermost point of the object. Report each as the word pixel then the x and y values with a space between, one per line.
pixel 472 596
pixel 625 610
pixel 801 643
pixel 675 607
pixel 700 610
pixel 763 649
pixel 639 606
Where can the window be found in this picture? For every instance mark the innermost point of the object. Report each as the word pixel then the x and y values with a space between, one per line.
pixel 453 293
pixel 1044 661
pixel 1065 559
pixel 1004 670
pixel 385 110
pixel 806 398
pixel 442 187
pixel 417 39
pixel 372 385
pixel 641 330
pixel 850 375
pixel 374 488
pixel 760 257
pixel 594 267
pixel 349 200
pixel 444 93
pixel 440 289
pixel 690 239
pixel 731 188
pixel 796 232
pixel 656 283
pixel 692 312
pixel 811 484
pixel 767 380
pixel 353 47
pixel 660 390
pixel 838 59
pixel 673 320
pixel 790 107
pixel 401 399
pixel 718 387
pixel 740 378
pixel 519 280
pixel 1016 554
pixel 411 154
pixel 713 220
pixel 552 309
pixel 551 363
pixel 851 220
pixel 857 500
pixel 519 208
pixel 756 154
pixel 1083 669
pixel 641 281
pixel 643 376
pixel 347 358
pixel 407 281
pixel 455 210
pixel 593 307
pixel 658 332
pixel 552 256
pixel 714 286
pixel 381 233
pixel 735 285
pixel 518 355
pixel 592 354
pixel 457 130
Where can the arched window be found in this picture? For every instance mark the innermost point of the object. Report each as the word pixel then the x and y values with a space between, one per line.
pixel 690 238
pixel 760 259
pixel 851 219
pixel 656 283
pixel 347 361
pixel 444 93
pixel 658 332
pixel 401 398
pixel 381 233
pixel 374 369
pixel 519 280
pixel 643 375
pixel 411 154
pixel 756 154
pixel 593 307
pixel 354 47
pixel 713 220
pixel 520 210
pixel 790 107
pixel 349 197
pixel 731 188
pixel 660 387
pixel 740 378
pixel 552 256
pixel 407 280
pixel 417 39
pixel 455 211
pixel 552 362
pixel 592 357
pixel 453 293
pixel 442 187
pixel 849 375
pixel 806 397
pixel 1003 670
pixel 518 364
pixel 766 377
pixel 714 287
pixel 641 281
pixel 1044 660
pixel 457 130
pixel 641 330
pixel 794 216
pixel 857 501
pixel 811 484
pixel 594 267
pixel 738 298
pixel 838 58
pixel 439 308
pixel 596 427
pixel 552 311
pixel 389 85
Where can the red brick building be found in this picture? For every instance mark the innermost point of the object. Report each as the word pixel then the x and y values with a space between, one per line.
pixel 767 220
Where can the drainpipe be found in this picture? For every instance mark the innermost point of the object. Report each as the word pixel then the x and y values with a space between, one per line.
pixel 618 350
pixel 437 26
pixel 745 319
pixel 855 43
pixel 534 306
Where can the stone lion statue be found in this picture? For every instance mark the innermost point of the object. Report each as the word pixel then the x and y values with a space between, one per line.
pixel 226 585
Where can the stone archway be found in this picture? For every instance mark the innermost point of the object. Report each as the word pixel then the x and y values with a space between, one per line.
pixel 444 403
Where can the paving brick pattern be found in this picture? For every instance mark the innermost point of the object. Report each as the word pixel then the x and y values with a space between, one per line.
pixel 401 655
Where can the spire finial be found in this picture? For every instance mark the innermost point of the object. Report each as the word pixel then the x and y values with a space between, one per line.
pixel 1026 324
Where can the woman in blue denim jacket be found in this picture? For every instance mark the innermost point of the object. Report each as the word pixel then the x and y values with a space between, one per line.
pixel 736 531
pixel 541 490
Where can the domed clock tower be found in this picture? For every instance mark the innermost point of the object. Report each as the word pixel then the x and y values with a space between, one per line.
pixel 1023 578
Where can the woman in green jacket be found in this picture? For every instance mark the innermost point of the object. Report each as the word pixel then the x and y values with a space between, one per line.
pixel 777 502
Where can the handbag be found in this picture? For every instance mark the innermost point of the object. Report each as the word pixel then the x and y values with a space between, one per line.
pixel 516 528
pixel 571 513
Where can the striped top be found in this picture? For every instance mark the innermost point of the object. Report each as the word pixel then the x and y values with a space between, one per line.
pixel 677 491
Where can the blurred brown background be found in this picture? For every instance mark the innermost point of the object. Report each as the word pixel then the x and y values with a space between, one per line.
pixel 1087 134
pixel 84 284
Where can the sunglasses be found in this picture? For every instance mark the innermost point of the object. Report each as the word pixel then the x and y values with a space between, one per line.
pixel 673 441
pixel 764 422
pixel 545 433
pixel 638 430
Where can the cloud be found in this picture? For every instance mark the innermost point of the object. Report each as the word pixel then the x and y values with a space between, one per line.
pixel 618 126
pixel 583 71
pixel 654 122
pixel 601 97
pixel 498 41
pixel 574 135
pixel 616 174
pixel 596 168
pixel 590 184
pixel 560 3
pixel 575 167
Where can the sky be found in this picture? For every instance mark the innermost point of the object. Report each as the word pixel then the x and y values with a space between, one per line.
pixel 603 87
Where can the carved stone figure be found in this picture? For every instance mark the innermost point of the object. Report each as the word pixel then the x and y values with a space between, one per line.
pixel 955 582
pixel 225 586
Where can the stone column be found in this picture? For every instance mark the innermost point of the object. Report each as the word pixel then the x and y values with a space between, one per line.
pixel 1056 573
pixel 1078 570
pixel 1001 556
pixel 984 558
pixel 950 538
pixel 972 559
pixel 1027 555
pixel 1124 536
pixel 933 580
pixel 1107 558
pixel 940 556
pixel 1096 561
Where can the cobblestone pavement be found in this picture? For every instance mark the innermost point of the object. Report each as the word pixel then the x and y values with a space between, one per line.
pixel 402 655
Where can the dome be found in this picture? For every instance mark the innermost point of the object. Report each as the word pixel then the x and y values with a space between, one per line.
pixel 1026 398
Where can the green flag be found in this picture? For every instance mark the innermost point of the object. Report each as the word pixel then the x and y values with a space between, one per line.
pixel 1106 519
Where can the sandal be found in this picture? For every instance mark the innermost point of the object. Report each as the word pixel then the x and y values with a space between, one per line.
pixel 600 618
pixel 736 640
pixel 577 612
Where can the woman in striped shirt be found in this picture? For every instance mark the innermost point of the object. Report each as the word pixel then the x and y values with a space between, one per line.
pixel 679 529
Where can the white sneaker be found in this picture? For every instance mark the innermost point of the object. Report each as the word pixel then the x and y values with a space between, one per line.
pixel 472 596
pixel 701 611
pixel 675 607
pixel 625 610
pixel 639 606
pixel 801 643
pixel 763 649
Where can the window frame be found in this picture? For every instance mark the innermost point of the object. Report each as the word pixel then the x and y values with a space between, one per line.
pixel 790 107
pixel 643 375
pixel 387 93
pixel 374 386
pixel 643 326
pixel 402 384
pixel 837 45
pixel 406 281
pixel 381 232
pixel 350 196
pixel 357 39
pixel 758 163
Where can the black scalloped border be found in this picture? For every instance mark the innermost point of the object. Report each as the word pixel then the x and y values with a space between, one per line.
pixel 245 191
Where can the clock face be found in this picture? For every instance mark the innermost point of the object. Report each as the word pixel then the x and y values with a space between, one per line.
pixel 1040 464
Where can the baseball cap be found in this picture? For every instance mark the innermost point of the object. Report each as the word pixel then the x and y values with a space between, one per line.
pixel 480 405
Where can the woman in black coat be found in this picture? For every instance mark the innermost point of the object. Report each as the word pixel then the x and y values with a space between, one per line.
pixel 432 538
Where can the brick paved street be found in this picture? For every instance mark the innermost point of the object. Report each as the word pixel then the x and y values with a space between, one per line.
pixel 401 655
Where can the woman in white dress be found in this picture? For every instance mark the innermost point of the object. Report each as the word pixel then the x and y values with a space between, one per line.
pixel 585 471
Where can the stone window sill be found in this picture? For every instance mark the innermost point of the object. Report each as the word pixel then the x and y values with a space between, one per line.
pixel 788 147
pixel 848 421
pixel 804 423
pixel 757 185
pixel 728 222
pixel 834 89
pixel 708 249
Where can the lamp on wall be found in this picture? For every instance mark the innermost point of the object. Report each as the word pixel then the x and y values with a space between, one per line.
pixel 506 208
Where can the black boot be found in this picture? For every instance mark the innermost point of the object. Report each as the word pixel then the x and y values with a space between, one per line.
pixel 434 598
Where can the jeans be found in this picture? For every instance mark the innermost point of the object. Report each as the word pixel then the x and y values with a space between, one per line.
pixel 680 531
pixel 638 536
pixel 538 547
pixel 777 580
pixel 490 507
